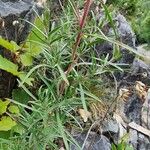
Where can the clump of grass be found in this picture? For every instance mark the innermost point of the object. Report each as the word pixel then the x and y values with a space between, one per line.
pixel 66 80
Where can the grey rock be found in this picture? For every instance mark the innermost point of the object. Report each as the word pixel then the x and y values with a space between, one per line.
pixel 124 34
pixel 133 138
pixel 133 109
pixel 110 126
pixel 145 114
pixel 140 71
pixel 14 7
pixel 125 31
pixel 22 12
pixel 143 142
pixel 94 142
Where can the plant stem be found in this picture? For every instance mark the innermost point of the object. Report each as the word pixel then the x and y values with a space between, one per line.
pixel 82 23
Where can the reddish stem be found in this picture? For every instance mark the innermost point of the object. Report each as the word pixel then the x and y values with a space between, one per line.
pixel 82 22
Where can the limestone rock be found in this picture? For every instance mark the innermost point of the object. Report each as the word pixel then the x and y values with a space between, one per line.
pixel 93 142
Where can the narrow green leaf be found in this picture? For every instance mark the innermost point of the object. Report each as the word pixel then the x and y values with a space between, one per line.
pixel 61 129
pixel 116 52
pixel 113 147
pixel 110 19
pixel 129 147
pixel 83 98
pixel 63 75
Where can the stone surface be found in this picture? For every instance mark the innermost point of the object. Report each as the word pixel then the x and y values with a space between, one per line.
pixel 145 113
pixel 133 138
pixel 94 142
pixel 133 109
pixel 143 142
pixel 110 126
pixel 124 35
pixel 14 7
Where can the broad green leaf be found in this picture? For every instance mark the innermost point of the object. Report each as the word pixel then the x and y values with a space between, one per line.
pixel 5 134
pixel 13 69
pixel 33 49
pixel 18 129
pixel 8 66
pixel 3 106
pixel 6 123
pixel 37 33
pixel 21 96
pixel 12 46
pixel 13 109
pixel 26 59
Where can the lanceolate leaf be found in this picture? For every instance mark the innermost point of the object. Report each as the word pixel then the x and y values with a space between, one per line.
pixel 26 59
pixel 8 66
pixel 12 46
pixel 13 69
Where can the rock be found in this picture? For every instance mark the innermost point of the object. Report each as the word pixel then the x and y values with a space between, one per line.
pixel 133 108
pixel 93 142
pixel 143 142
pixel 15 16
pixel 133 138
pixel 124 34
pixel 110 126
pixel 145 113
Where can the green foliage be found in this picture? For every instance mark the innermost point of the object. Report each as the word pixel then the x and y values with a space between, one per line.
pixel 9 45
pixel 21 96
pixel 8 66
pixel 128 7
pixel 3 106
pixel 47 115
pixel 143 28
pixel 6 121
pixel 30 50
pixel 122 146
pixel 137 11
